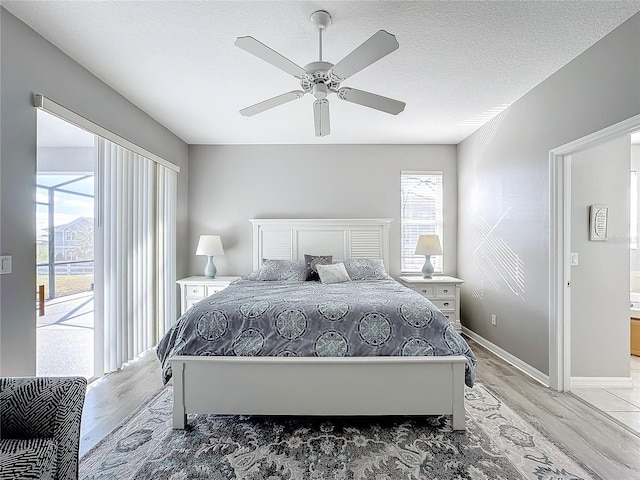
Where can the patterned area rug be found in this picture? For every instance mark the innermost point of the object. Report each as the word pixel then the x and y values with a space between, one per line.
pixel 497 445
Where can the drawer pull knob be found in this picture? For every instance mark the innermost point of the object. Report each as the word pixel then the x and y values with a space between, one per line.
pixel 446 304
pixel 445 290
pixel 424 291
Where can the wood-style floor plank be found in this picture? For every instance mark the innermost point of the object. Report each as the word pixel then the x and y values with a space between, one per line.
pixel 590 436
pixel 601 444
pixel 112 398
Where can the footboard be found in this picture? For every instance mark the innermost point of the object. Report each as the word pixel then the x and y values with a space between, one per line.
pixel 319 386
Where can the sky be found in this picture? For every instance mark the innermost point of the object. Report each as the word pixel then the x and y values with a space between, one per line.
pixel 67 206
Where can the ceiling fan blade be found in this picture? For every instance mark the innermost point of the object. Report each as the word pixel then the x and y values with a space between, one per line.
pixel 371 100
pixel 260 50
pixel 321 117
pixel 272 102
pixel 377 46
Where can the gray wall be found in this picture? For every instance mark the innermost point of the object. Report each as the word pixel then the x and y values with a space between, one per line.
pixel 30 65
pixel 600 283
pixel 228 185
pixel 504 190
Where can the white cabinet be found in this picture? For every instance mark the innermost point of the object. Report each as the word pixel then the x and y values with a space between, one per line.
pixel 194 289
pixel 443 291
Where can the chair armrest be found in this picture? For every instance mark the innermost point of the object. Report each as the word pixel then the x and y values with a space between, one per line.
pixel 45 407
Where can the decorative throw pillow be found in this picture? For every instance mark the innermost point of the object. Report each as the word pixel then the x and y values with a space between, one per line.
pixel 335 273
pixel 253 275
pixel 283 270
pixel 366 269
pixel 312 261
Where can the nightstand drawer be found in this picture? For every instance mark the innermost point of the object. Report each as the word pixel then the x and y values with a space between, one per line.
pixel 444 304
pixel 445 291
pixel 190 302
pixel 215 289
pixel 195 291
pixel 425 291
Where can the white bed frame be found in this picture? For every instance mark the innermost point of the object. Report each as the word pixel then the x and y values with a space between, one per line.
pixel 312 385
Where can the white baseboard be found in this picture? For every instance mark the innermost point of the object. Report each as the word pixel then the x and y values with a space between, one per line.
pixel 524 367
pixel 601 382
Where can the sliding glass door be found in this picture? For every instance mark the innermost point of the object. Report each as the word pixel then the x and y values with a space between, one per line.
pixel 106 215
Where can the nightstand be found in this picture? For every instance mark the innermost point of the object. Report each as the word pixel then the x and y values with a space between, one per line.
pixel 194 289
pixel 443 291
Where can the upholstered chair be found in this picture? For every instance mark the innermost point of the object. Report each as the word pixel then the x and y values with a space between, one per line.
pixel 40 427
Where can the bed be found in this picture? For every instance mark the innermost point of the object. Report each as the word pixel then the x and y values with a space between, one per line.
pixel 278 342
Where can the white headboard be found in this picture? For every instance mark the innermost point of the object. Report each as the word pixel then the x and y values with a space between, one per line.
pixel 291 239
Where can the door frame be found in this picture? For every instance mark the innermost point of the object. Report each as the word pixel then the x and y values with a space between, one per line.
pixel 560 247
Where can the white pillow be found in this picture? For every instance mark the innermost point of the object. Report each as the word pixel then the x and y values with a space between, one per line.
pixel 335 273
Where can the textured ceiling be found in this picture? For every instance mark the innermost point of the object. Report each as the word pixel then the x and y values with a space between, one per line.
pixel 457 63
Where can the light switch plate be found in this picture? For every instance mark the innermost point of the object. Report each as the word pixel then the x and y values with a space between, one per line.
pixel 5 264
pixel 574 259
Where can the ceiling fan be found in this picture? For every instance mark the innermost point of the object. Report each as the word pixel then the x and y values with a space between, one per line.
pixel 322 78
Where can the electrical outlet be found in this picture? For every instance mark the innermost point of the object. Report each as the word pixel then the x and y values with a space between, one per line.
pixel 494 320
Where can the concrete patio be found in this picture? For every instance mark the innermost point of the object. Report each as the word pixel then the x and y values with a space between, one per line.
pixel 65 337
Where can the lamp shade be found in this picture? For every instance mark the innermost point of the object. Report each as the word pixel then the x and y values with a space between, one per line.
pixel 428 245
pixel 209 245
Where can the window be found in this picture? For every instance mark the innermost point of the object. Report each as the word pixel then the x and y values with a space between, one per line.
pixel 421 214
pixel 69 235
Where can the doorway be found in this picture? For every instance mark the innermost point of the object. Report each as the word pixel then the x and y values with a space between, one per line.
pixel 65 246
pixel 600 301
pixel 560 247
pixel 621 388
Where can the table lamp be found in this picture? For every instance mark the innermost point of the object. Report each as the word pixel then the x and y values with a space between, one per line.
pixel 428 245
pixel 210 245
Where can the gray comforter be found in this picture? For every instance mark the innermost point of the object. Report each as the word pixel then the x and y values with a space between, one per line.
pixel 358 318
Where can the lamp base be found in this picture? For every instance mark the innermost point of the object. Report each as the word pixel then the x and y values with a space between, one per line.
pixel 210 269
pixel 427 269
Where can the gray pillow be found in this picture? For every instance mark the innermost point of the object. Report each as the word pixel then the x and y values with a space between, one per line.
pixel 283 270
pixel 366 269
pixel 335 273
pixel 312 260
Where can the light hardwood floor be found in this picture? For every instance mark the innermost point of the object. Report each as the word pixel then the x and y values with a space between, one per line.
pixel 110 399
pixel 608 449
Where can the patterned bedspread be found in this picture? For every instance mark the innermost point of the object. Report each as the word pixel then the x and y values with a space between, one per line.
pixel 358 318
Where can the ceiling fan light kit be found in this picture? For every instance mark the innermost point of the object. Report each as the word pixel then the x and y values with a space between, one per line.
pixel 323 78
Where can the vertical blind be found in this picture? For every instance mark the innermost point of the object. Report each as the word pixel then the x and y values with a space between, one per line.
pixel 421 214
pixel 136 225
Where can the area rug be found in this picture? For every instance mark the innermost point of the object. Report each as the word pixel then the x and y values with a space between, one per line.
pixel 497 444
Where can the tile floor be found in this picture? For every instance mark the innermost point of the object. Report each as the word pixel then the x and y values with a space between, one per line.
pixel 622 404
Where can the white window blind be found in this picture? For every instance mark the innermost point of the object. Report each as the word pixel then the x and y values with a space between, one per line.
pixel 137 229
pixel 421 214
